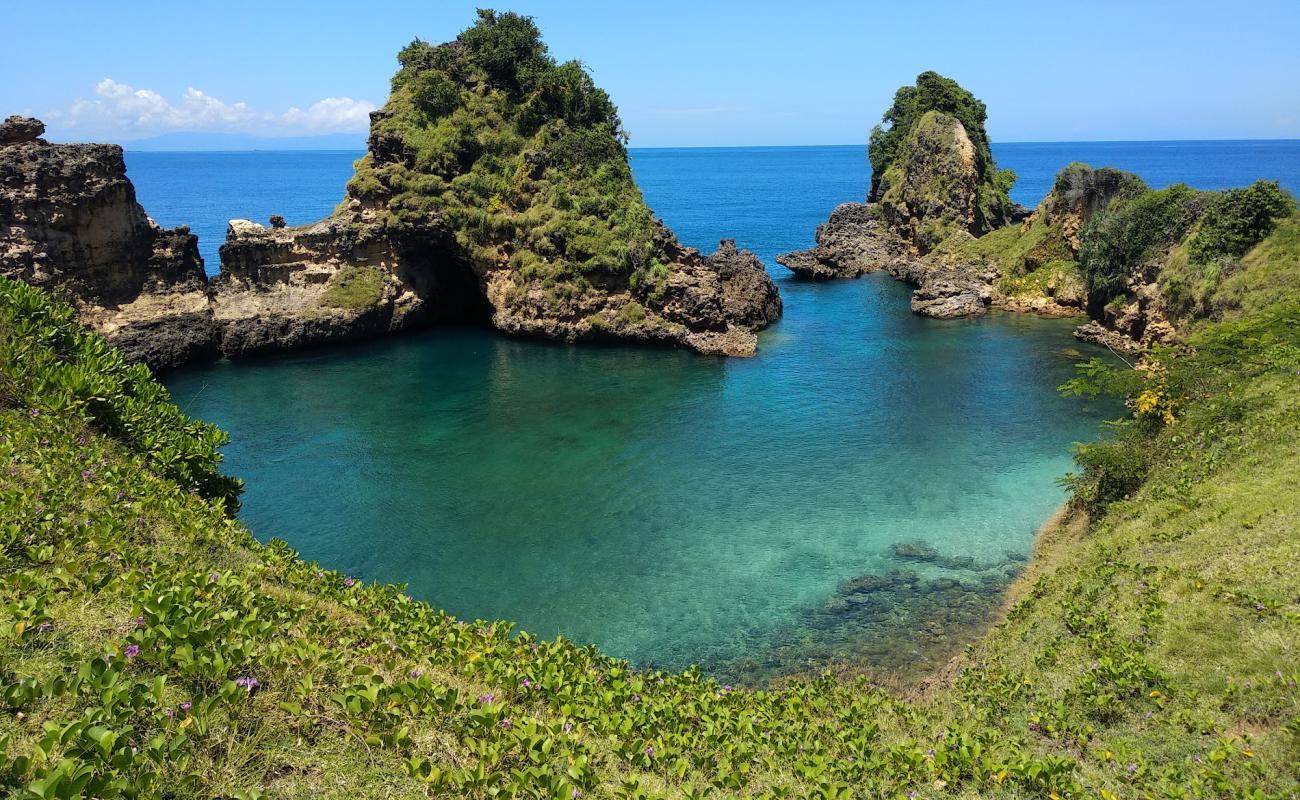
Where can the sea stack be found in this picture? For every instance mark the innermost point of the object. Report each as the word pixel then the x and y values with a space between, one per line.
pixel 495 187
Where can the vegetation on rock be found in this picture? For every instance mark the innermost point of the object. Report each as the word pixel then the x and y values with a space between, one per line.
pixel 922 117
pixel 353 288
pixel 522 156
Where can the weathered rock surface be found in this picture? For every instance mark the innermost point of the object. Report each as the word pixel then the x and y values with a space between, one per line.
pixel 70 222
pixel 281 288
pixel 853 242
pixel 712 305
pixel 932 191
pixel 18 129
pixel 945 299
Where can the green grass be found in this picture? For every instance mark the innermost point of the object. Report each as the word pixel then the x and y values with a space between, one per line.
pixel 1149 652
pixel 353 288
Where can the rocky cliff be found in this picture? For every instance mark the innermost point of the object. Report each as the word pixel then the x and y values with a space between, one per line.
pixel 496 188
pixel 1101 242
pixel 496 184
pixel 69 221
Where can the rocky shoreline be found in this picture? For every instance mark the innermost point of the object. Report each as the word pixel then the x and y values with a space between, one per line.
pixel 70 222
pixel 938 218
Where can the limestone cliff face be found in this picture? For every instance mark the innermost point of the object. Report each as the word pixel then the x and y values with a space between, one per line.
pixel 550 239
pixel 932 190
pixel 70 222
pixel 281 288
pixel 501 188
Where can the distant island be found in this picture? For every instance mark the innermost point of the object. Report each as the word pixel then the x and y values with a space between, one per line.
pixel 151 647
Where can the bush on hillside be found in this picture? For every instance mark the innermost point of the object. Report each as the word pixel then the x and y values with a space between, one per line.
pixel 1120 240
pixel 50 364
pixel 1238 219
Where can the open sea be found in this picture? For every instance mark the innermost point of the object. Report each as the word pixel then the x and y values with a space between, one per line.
pixel 667 507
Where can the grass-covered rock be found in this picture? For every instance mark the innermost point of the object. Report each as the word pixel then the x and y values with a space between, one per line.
pixel 932 170
pixel 520 164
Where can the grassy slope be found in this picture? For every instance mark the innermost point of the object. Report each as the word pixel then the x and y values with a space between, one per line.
pixel 1153 653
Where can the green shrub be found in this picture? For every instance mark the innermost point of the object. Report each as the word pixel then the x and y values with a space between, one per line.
pixel 1111 471
pixel 1115 243
pixel 434 93
pixel 1238 219
pixel 50 364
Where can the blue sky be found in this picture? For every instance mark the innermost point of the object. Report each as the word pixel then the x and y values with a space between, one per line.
pixel 683 73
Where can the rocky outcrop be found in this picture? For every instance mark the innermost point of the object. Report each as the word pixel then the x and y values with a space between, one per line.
pixel 854 241
pixel 282 288
pixel 931 191
pixel 70 222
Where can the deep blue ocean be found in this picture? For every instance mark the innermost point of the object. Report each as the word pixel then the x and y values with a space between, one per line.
pixel 668 507
pixel 798 185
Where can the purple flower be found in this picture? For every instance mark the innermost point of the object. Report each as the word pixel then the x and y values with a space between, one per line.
pixel 527 684
pixel 487 698
pixel 415 673
pixel 138 622
pixel 248 683
pixel 650 750
pixel 319 574
pixel 132 650
pixel 186 706
pixel 1259 606
pixel 45 626
pixel 168 712
pixel 568 727
pixel 349 582
pixel 86 474
pixel 575 793
pixel 213 577
pixel 35 413
pixel 506 724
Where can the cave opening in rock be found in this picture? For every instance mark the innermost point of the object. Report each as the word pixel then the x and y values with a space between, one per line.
pixel 456 292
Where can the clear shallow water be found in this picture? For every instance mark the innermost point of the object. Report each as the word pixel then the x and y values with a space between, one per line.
pixel 668 507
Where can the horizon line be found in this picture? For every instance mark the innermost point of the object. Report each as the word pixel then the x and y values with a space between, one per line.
pixel 126 145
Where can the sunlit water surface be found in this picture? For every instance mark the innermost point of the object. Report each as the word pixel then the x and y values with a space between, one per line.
pixel 670 508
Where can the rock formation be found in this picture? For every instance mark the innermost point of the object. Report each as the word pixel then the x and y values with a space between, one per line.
pixel 938 217
pixel 496 188
pixel 933 180
pixel 69 222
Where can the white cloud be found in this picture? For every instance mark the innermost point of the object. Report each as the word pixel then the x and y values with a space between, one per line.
pixel 118 109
